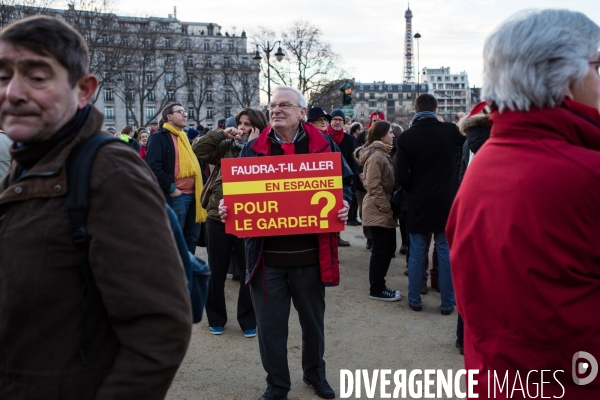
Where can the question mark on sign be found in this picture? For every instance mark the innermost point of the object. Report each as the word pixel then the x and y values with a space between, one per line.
pixel 328 207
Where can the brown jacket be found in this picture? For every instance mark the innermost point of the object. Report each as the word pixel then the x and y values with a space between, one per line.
pixel 378 182
pixel 138 318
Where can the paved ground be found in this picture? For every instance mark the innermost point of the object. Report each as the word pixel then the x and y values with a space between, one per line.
pixel 359 334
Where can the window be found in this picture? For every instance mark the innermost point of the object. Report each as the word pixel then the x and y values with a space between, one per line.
pixel 206 45
pixel 209 62
pixel 190 61
pixel 128 76
pixel 149 78
pixel 108 94
pixel 371 95
pixel 361 96
pixel 209 113
pixel 190 80
pixel 244 60
pixel 227 98
pixel 361 88
pixel 147 42
pixel 191 113
pixel 151 95
pixel 447 78
pixel 170 58
pixel 400 96
pixel 210 30
pixel 371 87
pixel 226 79
pixel 208 79
pixel 227 62
pixel 372 104
pixel 130 113
pixel 391 103
pixel 187 44
pixel 171 95
pixel 190 97
pixel 150 113
pixel 381 95
pixel 209 97
pixel 169 78
pixel 109 113
pixel 218 45
pixel 390 96
pixel 362 113
pixel 104 39
pixel 227 112
pixel 168 42
pixel 149 60
pixel 130 95
pixel 380 88
pixel 125 42
pixel 230 46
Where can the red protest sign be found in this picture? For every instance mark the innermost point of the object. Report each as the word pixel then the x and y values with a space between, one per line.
pixel 283 195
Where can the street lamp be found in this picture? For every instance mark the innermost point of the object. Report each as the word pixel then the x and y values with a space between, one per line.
pixel 418 36
pixel 257 58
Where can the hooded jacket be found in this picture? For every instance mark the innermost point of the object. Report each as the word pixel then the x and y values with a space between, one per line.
pixel 328 242
pixel 137 323
pixel 525 248
pixel 477 130
pixel 379 183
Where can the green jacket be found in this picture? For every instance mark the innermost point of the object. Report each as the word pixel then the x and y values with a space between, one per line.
pixel 211 148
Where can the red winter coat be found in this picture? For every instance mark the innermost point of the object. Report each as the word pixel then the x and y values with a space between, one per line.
pixel 524 234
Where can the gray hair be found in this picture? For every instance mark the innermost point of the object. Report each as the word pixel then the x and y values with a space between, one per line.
pixel 535 56
pixel 301 99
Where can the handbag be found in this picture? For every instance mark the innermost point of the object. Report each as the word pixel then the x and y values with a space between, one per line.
pixel 207 190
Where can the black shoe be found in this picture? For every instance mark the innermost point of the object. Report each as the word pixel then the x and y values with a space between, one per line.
pixel 358 223
pixel 352 222
pixel 424 288
pixel 460 347
pixel 343 243
pixel 369 244
pixel 406 272
pixel 403 249
pixel 235 278
pixel 447 312
pixel 435 285
pixel 268 396
pixel 322 389
pixel 415 308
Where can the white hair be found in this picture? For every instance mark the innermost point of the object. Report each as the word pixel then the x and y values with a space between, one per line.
pixel 535 56
pixel 301 99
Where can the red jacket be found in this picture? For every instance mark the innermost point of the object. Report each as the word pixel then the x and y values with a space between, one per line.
pixel 524 234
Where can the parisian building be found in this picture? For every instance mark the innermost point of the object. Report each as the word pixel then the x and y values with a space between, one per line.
pixel 142 64
pixel 395 100
pixel 451 90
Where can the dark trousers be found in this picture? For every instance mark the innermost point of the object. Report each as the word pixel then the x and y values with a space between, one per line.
pixel 220 247
pixel 384 246
pixel 403 233
pixel 353 211
pixel 273 289
pixel 460 330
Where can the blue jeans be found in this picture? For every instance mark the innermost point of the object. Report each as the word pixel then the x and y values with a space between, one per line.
pixel 416 261
pixel 185 209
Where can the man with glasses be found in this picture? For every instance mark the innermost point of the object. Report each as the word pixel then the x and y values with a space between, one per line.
pixel 282 269
pixel 318 117
pixel 169 155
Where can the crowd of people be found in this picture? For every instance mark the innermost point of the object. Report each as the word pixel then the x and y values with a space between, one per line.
pixel 509 194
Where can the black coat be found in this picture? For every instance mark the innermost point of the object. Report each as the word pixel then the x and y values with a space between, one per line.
pixel 425 166
pixel 360 141
pixel 160 157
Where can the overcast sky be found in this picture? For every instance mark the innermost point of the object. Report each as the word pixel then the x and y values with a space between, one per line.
pixel 368 35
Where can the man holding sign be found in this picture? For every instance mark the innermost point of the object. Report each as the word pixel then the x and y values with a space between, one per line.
pixel 293 267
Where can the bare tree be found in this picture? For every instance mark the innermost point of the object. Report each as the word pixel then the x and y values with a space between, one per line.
pixel 309 64
pixel 203 81
pixel 241 70
pixel 11 10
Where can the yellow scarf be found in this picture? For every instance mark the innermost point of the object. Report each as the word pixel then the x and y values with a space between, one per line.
pixel 189 166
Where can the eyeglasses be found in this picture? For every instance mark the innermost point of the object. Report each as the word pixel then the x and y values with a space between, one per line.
pixel 182 112
pixel 282 106
pixel 320 120
pixel 337 120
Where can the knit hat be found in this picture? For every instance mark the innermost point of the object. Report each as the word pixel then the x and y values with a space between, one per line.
pixel 230 123
pixel 192 133
pixel 338 113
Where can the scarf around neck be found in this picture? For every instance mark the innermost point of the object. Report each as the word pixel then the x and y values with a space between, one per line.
pixel 421 115
pixel 189 167
pixel 27 155
pixel 337 136
pixel 289 148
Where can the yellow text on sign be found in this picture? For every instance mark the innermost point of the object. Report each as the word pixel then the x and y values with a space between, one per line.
pixel 282 185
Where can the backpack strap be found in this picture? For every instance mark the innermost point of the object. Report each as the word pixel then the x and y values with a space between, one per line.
pixel 79 167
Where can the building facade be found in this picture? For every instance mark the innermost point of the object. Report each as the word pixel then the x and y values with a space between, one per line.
pixel 142 64
pixel 395 100
pixel 451 90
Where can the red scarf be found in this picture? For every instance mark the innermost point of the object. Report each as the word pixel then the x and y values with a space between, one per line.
pixel 289 149
pixel 337 136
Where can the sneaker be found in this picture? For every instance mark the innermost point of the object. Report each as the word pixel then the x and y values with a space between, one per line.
pixel 250 333
pixel 386 295
pixel 216 330
pixel 393 291
pixel 343 243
